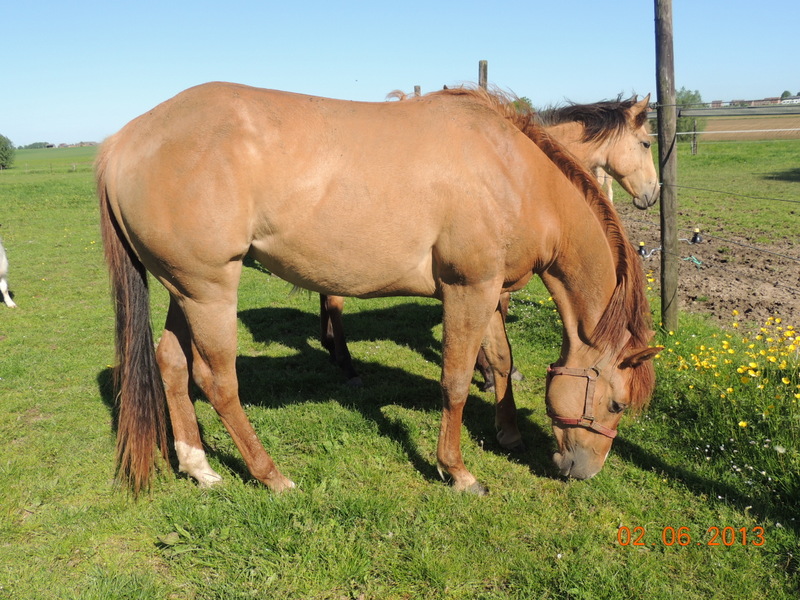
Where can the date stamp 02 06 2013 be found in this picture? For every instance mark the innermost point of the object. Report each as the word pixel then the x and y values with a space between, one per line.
pixel 684 536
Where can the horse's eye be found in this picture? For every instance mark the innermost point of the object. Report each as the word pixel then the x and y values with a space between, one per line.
pixel 646 144
pixel 616 407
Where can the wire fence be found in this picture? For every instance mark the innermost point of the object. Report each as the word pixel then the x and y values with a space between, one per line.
pixel 778 267
pixel 738 120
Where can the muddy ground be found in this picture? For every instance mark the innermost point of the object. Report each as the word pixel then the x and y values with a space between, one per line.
pixel 724 273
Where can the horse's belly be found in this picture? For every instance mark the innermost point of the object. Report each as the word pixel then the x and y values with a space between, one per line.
pixel 355 271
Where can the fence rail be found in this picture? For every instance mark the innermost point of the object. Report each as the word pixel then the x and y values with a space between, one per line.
pixel 740 111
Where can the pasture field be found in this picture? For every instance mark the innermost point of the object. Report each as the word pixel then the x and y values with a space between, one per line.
pixel 691 503
pixel 745 199
pixel 751 128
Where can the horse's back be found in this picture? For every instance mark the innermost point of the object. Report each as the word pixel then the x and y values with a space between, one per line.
pixel 349 198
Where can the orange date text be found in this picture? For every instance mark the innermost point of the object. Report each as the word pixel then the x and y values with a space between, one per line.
pixel 686 536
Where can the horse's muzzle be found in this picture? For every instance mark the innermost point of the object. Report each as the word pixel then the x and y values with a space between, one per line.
pixel 648 199
pixel 578 463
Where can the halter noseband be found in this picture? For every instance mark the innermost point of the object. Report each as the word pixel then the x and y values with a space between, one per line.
pixel 587 420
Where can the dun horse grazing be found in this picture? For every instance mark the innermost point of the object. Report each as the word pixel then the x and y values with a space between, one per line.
pixel 603 136
pixel 449 196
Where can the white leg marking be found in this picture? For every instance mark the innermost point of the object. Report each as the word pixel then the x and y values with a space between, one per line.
pixel 193 462
pixel 4 290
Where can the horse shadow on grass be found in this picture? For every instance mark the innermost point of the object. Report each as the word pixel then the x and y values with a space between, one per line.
pixel 791 175
pixel 305 374
pixel 310 376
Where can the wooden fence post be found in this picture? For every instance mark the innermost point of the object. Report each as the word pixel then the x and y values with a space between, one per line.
pixel 668 164
pixel 483 73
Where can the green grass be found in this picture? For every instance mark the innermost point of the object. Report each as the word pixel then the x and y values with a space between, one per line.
pixel 744 189
pixel 741 394
pixel 371 518
pixel 54 160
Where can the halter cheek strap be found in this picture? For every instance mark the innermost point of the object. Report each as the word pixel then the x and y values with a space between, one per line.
pixel 587 420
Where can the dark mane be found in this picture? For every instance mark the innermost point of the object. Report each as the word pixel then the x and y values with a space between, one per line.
pixel 601 120
pixel 628 310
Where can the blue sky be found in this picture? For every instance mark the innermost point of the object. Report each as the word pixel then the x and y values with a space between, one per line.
pixel 79 70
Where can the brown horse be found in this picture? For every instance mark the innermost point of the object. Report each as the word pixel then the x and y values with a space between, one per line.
pixel 450 195
pixel 606 136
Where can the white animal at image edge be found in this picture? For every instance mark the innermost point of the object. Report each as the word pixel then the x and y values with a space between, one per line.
pixel 3 280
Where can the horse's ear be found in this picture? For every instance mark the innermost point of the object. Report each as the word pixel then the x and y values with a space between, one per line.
pixel 642 106
pixel 638 112
pixel 639 356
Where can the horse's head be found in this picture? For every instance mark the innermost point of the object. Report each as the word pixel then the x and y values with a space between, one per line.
pixel 586 405
pixel 630 160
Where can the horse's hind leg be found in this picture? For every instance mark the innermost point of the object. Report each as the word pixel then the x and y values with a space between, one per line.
pixel 505 301
pixel 482 363
pixel 498 355
pixel 212 322
pixel 332 336
pixel 174 358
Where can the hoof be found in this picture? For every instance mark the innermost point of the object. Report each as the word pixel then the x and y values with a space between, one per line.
pixel 518 448
pixel 208 480
pixel 282 486
pixel 487 387
pixel 512 443
pixel 354 382
pixel 477 489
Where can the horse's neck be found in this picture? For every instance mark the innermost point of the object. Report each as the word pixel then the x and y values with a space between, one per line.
pixel 581 281
pixel 570 135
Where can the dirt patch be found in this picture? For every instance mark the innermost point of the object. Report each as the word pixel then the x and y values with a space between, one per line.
pixel 723 273
pixel 751 128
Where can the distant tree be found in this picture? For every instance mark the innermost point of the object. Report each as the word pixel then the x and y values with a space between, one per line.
pixel 35 146
pixel 688 99
pixel 7 152
pixel 786 94
pixel 523 104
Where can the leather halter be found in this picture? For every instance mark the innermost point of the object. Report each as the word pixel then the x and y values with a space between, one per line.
pixel 587 420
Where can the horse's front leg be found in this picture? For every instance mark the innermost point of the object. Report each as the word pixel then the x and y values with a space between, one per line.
pixel 467 311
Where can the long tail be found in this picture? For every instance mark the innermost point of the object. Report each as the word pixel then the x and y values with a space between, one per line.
pixel 141 418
